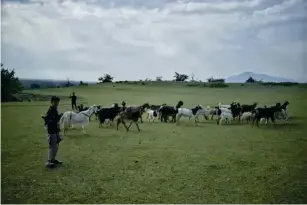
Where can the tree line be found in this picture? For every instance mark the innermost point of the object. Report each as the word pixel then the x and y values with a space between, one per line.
pixel 10 84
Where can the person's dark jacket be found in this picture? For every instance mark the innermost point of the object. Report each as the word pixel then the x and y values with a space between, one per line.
pixel 52 118
pixel 73 99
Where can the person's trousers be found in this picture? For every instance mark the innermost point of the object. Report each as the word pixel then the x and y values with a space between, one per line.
pixel 53 141
pixel 74 106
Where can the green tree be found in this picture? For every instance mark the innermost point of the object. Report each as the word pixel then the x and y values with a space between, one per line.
pixel 9 83
pixel 250 80
pixel 106 78
pixel 180 77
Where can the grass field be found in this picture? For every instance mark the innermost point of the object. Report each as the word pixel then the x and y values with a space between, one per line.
pixel 163 163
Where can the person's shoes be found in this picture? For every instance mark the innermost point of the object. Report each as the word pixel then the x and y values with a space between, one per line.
pixel 50 164
pixel 57 161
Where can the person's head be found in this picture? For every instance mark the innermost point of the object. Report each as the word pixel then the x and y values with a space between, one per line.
pixel 55 100
pixel 73 93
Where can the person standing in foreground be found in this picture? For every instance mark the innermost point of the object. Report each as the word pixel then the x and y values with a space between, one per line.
pixel 54 137
pixel 73 101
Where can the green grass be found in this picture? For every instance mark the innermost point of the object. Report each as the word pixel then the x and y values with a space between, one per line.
pixel 163 163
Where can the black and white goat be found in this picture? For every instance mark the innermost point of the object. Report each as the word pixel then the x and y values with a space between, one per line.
pixel 185 112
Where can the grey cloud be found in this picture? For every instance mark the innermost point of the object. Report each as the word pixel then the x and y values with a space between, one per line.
pixel 85 39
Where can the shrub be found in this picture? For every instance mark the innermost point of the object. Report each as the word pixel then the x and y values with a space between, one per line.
pixel 194 84
pixel 279 83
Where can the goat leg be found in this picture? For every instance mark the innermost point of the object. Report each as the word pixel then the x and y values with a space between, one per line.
pixel 127 128
pixel 118 122
pixel 130 125
pixel 137 126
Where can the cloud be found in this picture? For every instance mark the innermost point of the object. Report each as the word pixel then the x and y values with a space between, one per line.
pixel 138 39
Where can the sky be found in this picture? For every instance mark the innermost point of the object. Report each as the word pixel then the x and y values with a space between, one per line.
pixel 139 39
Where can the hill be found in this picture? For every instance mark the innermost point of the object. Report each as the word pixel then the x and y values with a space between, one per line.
pixel 47 83
pixel 241 78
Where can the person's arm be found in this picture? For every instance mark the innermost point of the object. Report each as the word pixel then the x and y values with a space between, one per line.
pixel 48 116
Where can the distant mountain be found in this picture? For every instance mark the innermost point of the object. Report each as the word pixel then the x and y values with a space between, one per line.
pixel 241 78
pixel 47 83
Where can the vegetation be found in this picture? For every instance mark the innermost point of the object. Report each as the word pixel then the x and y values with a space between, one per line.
pixel 279 83
pixel 35 86
pixel 10 84
pixel 82 83
pixel 250 80
pixel 180 77
pixel 163 163
pixel 159 78
pixel 105 79
pixel 218 80
pixel 216 83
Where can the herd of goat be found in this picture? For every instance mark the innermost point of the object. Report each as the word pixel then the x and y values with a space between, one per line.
pixel 122 114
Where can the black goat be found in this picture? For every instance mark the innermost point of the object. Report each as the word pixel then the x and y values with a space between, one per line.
pixel 248 108
pixel 166 111
pixel 266 112
pixel 108 113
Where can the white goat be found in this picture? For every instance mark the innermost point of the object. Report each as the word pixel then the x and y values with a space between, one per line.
pixel 212 111
pixel 205 112
pixel 225 117
pixel 185 112
pixel 282 115
pixel 247 116
pixel 81 118
pixel 263 120
pixel 223 106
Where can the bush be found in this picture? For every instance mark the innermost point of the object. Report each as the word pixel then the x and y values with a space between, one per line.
pixel 194 84
pixel 279 84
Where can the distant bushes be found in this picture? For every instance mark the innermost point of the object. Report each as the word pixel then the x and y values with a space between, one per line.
pixel 210 85
pixel 131 82
pixel 278 84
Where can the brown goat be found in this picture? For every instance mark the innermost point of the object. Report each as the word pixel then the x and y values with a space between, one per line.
pixel 132 114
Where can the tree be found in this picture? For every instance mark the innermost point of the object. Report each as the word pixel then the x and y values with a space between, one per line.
pixel 106 78
pixel 35 86
pixel 9 83
pixel 67 84
pixel 180 77
pixel 250 80
pixel 218 80
pixel 159 78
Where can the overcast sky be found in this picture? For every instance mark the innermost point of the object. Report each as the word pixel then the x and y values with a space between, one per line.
pixel 138 39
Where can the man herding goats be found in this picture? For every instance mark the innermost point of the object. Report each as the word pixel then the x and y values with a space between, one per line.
pixel 73 101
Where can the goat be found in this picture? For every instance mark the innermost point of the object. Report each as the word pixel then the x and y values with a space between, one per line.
pixel 166 111
pixel 185 112
pixel 248 108
pixel 108 113
pixel 265 113
pixel 247 116
pixel 81 118
pixel 152 115
pixel 132 114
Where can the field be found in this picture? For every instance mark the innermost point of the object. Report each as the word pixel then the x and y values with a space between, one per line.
pixel 163 163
